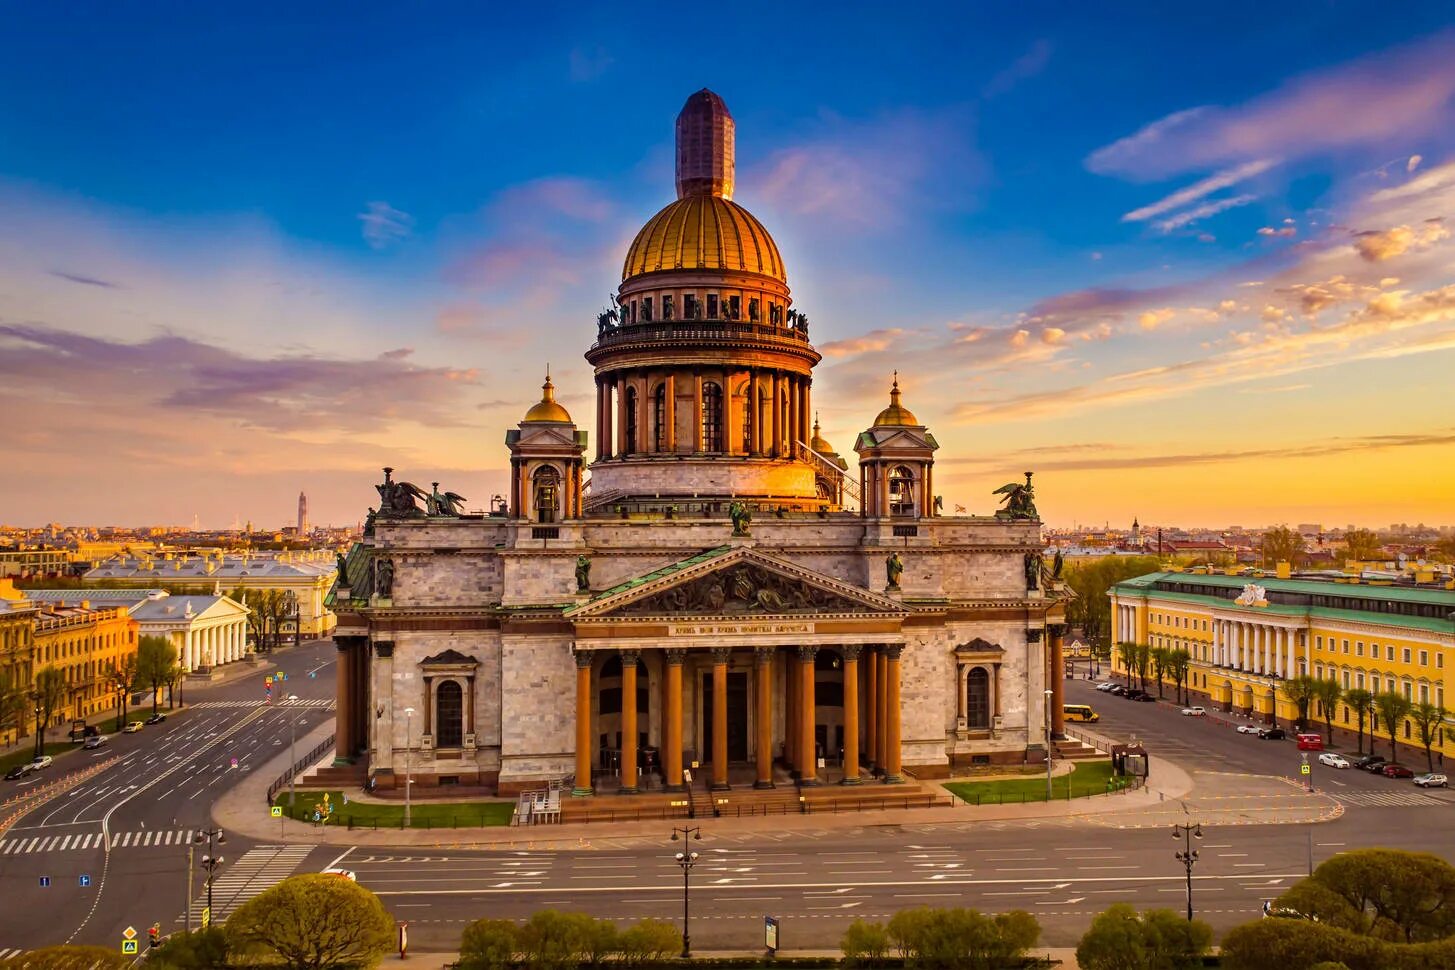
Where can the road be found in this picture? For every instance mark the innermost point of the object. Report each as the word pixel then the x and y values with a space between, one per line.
pixel 125 830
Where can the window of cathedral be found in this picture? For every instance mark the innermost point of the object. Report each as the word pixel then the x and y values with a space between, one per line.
pixel 735 307
pixel 748 420
pixel 659 418
pixel 712 306
pixel 977 699
pixel 667 306
pixel 546 484
pixel 901 491
pixel 646 309
pixel 449 706
pixel 631 419
pixel 712 417
pixel 690 306
pixel 753 309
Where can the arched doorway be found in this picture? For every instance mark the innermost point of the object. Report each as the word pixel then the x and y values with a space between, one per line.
pixel 901 491
pixel 546 487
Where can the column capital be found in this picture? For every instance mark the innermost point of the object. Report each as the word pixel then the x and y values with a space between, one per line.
pixel 893 650
pixel 675 656
pixel 583 659
pixel 1033 634
pixel 384 649
pixel 806 654
pixel 630 657
pixel 763 655
pixel 1056 629
pixel 851 652
pixel 721 655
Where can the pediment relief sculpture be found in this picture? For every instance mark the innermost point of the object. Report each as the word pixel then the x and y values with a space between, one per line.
pixel 742 589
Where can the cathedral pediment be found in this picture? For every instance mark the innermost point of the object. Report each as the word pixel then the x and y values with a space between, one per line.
pixel 739 582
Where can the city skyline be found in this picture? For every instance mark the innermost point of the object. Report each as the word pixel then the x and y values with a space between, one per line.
pixel 1223 297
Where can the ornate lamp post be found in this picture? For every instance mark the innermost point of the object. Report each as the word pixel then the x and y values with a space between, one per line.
pixel 408 764
pixel 1049 694
pixel 1187 855
pixel 686 859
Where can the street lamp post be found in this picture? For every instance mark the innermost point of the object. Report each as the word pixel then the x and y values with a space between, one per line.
pixel 1049 695
pixel 211 862
pixel 408 763
pixel 292 758
pixel 38 751
pixel 1187 855
pixel 686 859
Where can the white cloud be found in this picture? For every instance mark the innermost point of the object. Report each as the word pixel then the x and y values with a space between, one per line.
pixel 384 224
pixel 1413 163
pixel 1204 211
pixel 1213 183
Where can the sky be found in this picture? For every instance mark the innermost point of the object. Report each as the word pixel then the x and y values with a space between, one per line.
pixel 1192 266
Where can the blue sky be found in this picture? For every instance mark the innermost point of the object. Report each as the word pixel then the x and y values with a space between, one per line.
pixel 1103 243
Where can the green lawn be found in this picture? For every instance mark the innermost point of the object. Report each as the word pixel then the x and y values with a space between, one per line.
pixel 22 756
pixel 1088 778
pixel 427 815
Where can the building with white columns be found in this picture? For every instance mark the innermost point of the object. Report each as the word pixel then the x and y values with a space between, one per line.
pixel 208 631
pixel 1247 635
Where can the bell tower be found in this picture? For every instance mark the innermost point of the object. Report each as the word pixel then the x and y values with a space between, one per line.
pixel 546 461
pixel 896 463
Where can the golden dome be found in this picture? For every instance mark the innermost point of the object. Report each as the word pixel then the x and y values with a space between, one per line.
pixel 704 232
pixel 817 442
pixel 547 409
pixel 896 415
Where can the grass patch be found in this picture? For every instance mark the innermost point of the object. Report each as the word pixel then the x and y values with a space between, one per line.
pixel 53 748
pixel 1087 778
pixel 426 815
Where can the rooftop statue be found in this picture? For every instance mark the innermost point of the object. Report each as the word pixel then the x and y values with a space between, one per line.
pixel 583 574
pixel 399 500
pixel 1020 500
pixel 741 518
pixel 893 569
pixel 448 505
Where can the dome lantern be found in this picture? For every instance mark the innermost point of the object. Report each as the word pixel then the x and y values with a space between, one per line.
pixel 547 409
pixel 896 415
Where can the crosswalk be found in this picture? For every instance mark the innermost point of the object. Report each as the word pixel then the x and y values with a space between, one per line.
pixel 7 953
pixel 258 869
pixel 315 702
pixel 1388 799
pixel 93 840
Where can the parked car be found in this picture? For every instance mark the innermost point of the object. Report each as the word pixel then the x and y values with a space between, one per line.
pixel 348 874
pixel 40 761
pixel 1105 685
pixel 1370 762
pixel 95 741
pixel 1272 734
pixel 1117 689
pixel 1333 760
pixel 1132 693
pixel 1396 771
pixel 1310 741
pixel 1194 712
pixel 156 718
pixel 1432 779
pixel 18 772
pixel 1144 697
pixel 1249 729
pixel 131 727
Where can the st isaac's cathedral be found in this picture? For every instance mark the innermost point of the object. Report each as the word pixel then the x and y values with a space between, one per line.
pixel 699 581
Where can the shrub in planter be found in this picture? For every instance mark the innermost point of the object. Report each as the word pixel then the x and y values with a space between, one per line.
pixel 1123 939
pixel 865 944
pixel 965 939
pixel 649 941
pixel 489 944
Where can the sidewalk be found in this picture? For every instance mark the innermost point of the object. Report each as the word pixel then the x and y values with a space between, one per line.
pixel 1064 955
pixel 244 809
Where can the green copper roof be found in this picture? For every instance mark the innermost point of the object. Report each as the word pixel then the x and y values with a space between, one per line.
pixel 1312 587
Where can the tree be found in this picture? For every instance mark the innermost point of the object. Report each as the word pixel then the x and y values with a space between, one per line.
pixel 1392 707
pixel 962 937
pixel 1180 660
pixel 199 950
pixel 68 958
pixel 314 922
pixel 489 944
pixel 1445 549
pixel 1328 692
pixel 864 944
pixel 1281 544
pixel 1428 718
pixel 1406 897
pixel 648 941
pixel 122 679
pixel 155 658
pixel 1160 665
pixel 14 700
pixel 1362 545
pixel 1160 939
pixel 1142 657
pixel 1089 580
pixel 1361 702
pixel 47 694
pixel 1300 692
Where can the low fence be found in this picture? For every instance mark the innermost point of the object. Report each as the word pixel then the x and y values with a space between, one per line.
pixel 298 766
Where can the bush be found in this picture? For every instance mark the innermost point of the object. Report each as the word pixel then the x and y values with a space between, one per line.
pixel 1404 897
pixel 865 944
pixel 961 938
pixel 316 921
pixel 650 941
pixel 489 944
pixel 198 950
pixel 1296 944
pixel 552 940
pixel 1122 939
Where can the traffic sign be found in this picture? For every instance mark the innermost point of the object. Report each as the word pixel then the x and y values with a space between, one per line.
pixel 45 882
pixel 128 947
pixel 276 811
pixel 85 881
pixel 206 916
pixel 268 681
pixel 129 933
pixel 232 763
pixel 1303 769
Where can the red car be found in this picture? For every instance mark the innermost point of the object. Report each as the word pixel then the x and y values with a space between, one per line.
pixel 1396 771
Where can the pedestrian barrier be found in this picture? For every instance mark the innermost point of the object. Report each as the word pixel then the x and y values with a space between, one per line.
pixel 16 808
pixel 299 766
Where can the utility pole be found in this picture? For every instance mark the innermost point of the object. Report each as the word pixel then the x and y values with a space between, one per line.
pixel 1049 695
pixel 408 763
pixel 191 864
pixel 292 758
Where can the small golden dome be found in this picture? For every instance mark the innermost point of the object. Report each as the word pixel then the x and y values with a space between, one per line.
pixel 896 415
pixel 547 409
pixel 704 232
pixel 817 442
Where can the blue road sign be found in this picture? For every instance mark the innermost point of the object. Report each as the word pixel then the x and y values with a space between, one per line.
pixel 313 675
pixel 45 882
pixel 85 881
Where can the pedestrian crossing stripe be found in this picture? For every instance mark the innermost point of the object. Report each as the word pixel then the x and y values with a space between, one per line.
pixel 315 702
pixel 94 840
pixel 258 869
pixel 9 954
pixel 1388 799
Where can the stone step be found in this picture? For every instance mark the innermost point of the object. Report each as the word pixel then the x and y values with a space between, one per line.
pixel 1073 750
pixel 749 802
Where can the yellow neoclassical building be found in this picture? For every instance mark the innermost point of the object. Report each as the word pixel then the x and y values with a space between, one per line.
pixel 1247 635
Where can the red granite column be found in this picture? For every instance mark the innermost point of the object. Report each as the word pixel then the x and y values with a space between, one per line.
pixel 851 714
pixel 808 770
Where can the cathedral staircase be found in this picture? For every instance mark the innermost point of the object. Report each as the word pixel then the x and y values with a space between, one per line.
pixel 1071 749
pixel 344 777
pixel 746 802
pixel 823 466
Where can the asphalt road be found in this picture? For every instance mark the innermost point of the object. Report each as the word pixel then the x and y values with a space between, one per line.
pixel 125 830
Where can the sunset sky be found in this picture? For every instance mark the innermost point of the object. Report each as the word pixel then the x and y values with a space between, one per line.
pixel 1191 265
